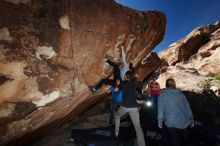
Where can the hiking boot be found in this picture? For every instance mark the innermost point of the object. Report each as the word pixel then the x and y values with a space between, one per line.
pixel 92 89
pixel 114 135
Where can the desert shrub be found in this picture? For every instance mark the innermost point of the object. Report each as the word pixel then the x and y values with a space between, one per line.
pixel 217 77
pixel 213 81
pixel 214 75
pixel 210 74
pixel 206 84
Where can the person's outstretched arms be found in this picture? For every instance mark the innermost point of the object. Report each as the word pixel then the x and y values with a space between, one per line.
pixel 124 67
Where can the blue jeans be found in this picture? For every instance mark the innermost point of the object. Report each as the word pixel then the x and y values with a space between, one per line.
pixel 153 98
pixel 112 112
pixel 178 137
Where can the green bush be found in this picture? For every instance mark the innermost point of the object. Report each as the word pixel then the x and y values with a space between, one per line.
pixel 217 77
pixel 210 74
pixel 206 84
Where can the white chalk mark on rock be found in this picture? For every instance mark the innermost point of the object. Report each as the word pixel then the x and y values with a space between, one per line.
pixel 45 99
pixel 64 22
pixel 46 52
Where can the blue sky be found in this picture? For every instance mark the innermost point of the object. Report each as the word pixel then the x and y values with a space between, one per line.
pixel 182 15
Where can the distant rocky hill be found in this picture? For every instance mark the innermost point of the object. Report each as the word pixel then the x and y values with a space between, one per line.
pixel 197 45
pixel 194 61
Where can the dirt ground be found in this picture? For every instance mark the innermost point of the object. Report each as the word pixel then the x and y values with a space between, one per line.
pixel 96 116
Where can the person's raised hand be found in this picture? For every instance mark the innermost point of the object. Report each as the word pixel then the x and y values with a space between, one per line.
pixel 192 125
pixel 160 125
pixel 116 89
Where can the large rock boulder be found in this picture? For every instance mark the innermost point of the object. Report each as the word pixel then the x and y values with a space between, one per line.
pixel 50 50
pixel 148 65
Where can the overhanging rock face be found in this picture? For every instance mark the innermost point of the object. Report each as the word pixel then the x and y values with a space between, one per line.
pixel 50 50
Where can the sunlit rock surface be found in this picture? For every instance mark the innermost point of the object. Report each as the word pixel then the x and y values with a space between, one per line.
pixel 207 59
pixel 183 49
pixel 186 79
pixel 49 52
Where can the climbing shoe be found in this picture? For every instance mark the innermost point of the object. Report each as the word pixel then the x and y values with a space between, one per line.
pixel 93 90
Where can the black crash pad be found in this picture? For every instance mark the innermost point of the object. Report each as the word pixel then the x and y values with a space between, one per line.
pixel 200 135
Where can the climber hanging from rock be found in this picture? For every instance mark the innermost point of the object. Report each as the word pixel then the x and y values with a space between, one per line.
pixel 107 81
pixel 116 96
pixel 118 73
